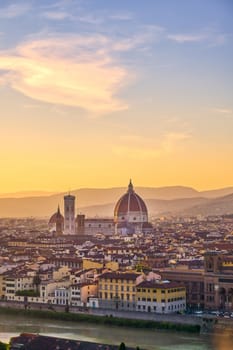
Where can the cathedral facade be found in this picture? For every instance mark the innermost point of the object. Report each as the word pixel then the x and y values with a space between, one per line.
pixel 130 217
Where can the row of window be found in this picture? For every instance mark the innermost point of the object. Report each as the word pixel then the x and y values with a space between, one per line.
pixel 115 280
pixel 100 225
pixel 210 298
pixel 210 287
pixel 162 300
pixel 113 296
pixel 163 291
pixel 61 293
pixel 147 299
pixel 75 293
pixel 116 287
pixel 170 307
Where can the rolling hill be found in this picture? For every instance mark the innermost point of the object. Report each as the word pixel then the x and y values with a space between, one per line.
pixel 174 200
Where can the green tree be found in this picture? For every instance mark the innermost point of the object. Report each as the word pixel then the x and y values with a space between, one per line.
pixel 37 281
pixel 3 346
pixel 122 346
pixel 27 293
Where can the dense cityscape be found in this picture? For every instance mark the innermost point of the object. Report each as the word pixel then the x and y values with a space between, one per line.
pixel 126 266
pixel 116 191
pixel 127 263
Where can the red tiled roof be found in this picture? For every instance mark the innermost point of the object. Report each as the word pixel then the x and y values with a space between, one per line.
pixel 120 275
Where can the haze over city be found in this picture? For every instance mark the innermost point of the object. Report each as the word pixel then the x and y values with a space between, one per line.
pixel 93 93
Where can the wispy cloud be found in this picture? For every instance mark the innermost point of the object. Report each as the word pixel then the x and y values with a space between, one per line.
pixel 57 15
pixel 57 4
pixel 73 70
pixel 146 36
pixel 207 35
pixel 138 147
pixel 222 111
pixel 123 16
pixel 183 38
pixel 90 19
pixel 14 10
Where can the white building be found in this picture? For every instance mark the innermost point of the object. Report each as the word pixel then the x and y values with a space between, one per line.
pixel 62 296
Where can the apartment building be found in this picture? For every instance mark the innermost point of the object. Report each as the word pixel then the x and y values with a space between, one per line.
pixel 160 297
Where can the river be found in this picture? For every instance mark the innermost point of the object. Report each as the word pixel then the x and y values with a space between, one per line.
pixel 12 325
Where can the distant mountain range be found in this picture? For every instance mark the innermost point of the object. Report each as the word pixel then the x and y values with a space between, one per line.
pixel 23 194
pixel 173 200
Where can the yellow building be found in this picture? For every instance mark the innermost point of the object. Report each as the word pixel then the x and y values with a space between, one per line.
pixel 60 273
pixel 160 297
pixel 117 290
pixel 92 264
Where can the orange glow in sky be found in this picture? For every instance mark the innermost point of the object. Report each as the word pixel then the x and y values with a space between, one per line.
pixel 93 95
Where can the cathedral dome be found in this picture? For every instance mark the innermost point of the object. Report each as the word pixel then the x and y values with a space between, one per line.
pixel 130 208
pixel 56 217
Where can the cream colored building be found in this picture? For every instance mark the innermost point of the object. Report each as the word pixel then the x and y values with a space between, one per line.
pixel 160 297
pixel 117 290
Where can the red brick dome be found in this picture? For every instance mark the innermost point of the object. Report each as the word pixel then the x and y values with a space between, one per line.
pixel 55 217
pixel 130 207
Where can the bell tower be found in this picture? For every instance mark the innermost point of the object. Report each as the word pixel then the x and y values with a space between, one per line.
pixel 212 262
pixel 69 215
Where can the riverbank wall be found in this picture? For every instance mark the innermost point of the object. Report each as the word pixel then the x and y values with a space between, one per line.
pixel 113 317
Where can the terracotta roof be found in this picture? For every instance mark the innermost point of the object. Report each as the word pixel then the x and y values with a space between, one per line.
pixel 120 275
pixel 38 342
pixel 130 202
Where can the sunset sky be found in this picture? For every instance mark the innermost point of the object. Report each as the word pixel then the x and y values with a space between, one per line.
pixel 94 92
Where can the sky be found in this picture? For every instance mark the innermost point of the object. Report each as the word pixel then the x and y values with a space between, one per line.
pixel 94 92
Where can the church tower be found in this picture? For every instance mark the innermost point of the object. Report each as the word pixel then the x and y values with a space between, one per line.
pixel 59 223
pixel 69 215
